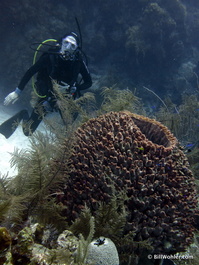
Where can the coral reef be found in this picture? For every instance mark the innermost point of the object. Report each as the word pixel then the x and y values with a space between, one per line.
pixel 29 246
pixel 121 151
pixel 5 239
pixel 5 243
pixel 183 119
pixel 27 249
pixel 115 99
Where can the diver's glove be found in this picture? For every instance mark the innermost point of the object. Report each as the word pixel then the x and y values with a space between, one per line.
pixel 12 97
pixel 63 87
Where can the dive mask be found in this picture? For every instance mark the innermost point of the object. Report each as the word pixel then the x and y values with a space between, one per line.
pixel 68 47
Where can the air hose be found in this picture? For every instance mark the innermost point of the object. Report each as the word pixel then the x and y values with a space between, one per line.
pixel 34 60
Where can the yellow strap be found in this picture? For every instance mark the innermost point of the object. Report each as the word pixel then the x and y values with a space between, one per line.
pixel 34 60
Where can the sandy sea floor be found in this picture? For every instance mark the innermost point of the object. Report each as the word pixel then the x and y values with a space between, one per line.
pixel 7 146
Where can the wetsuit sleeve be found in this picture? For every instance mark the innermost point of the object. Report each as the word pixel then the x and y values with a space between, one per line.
pixel 87 81
pixel 33 70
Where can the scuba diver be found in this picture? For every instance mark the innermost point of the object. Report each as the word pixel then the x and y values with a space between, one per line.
pixel 63 64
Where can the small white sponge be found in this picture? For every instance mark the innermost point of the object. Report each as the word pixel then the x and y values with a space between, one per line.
pixel 102 251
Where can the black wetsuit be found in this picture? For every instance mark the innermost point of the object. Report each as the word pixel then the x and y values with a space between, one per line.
pixel 52 66
pixel 48 67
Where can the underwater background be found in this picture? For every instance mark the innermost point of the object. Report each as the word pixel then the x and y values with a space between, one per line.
pixel 143 57
pixel 132 43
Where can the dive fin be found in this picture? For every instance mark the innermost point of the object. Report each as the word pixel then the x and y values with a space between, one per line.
pixel 8 127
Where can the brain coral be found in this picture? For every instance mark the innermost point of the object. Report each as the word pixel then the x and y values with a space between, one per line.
pixel 141 155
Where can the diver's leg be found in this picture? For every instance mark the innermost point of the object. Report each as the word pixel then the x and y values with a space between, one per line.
pixel 40 110
pixel 30 125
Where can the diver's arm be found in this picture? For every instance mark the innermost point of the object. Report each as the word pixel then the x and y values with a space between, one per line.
pixel 13 96
pixel 87 81
pixel 33 70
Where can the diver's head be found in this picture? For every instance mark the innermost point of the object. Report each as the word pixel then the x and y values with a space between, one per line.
pixel 69 46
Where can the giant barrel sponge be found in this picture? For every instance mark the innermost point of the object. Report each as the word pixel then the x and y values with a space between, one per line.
pixel 141 156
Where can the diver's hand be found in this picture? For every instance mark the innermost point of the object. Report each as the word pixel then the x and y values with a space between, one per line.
pixel 63 87
pixel 12 97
